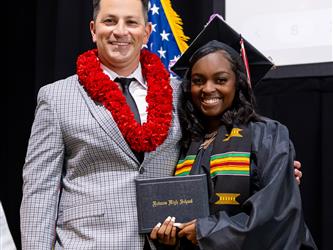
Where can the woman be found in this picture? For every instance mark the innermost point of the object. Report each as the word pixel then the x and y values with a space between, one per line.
pixel 254 199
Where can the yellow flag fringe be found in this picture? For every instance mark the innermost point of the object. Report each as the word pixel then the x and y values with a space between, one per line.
pixel 175 23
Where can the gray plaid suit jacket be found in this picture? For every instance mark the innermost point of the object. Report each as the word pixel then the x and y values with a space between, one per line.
pixel 79 190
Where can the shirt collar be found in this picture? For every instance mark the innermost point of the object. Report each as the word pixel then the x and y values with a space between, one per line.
pixel 137 74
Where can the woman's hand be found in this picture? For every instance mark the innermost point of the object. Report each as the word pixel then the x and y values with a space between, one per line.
pixel 165 233
pixel 188 230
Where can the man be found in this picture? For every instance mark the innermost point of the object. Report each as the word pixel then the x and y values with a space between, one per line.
pixel 86 148
pixel 81 163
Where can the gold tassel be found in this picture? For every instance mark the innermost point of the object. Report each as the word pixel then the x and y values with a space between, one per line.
pixel 175 23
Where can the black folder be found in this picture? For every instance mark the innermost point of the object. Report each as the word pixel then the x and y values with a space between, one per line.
pixel 184 197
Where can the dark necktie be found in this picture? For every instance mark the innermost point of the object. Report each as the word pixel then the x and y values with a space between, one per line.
pixel 125 83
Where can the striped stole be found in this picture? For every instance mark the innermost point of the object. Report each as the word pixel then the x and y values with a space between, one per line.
pixel 228 165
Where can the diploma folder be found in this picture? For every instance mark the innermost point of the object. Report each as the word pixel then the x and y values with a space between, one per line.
pixel 184 197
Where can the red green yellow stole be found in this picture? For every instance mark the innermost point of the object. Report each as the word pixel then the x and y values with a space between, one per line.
pixel 227 163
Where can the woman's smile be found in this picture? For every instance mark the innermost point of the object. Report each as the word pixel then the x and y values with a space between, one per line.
pixel 211 101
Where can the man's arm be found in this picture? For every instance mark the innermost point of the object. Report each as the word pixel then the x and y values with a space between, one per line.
pixel 41 177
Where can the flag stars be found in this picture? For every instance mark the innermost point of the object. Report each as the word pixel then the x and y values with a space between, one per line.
pixel 175 58
pixel 162 40
pixel 154 27
pixel 162 52
pixel 164 35
pixel 173 61
pixel 154 9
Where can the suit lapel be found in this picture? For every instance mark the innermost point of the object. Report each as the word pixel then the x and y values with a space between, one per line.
pixel 105 119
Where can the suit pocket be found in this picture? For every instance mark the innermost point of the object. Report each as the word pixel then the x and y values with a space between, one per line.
pixel 84 211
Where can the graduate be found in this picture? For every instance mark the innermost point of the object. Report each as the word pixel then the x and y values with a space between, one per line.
pixel 254 199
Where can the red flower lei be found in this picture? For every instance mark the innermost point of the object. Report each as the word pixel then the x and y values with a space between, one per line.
pixel 141 138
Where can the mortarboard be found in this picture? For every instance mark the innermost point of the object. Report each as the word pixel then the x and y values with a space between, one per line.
pixel 218 29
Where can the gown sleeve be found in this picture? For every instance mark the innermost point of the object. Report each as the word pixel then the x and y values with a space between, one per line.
pixel 272 218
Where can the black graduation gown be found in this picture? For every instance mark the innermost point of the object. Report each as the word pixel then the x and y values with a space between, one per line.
pixel 272 217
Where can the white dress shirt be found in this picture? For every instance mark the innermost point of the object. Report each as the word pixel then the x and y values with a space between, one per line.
pixel 6 240
pixel 137 88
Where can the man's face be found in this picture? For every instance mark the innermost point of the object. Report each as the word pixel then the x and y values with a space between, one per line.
pixel 119 32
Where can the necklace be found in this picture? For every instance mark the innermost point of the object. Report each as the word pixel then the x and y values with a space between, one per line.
pixel 142 138
pixel 208 139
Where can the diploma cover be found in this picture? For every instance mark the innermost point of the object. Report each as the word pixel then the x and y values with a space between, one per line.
pixel 184 197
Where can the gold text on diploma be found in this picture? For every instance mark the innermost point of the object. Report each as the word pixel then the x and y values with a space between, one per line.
pixel 176 202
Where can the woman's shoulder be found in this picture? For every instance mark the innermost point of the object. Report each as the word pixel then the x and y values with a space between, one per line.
pixel 268 131
pixel 267 124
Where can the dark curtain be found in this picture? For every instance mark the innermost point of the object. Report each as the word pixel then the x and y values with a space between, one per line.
pixel 44 39
pixel 303 104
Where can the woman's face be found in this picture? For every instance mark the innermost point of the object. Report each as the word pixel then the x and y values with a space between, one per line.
pixel 213 85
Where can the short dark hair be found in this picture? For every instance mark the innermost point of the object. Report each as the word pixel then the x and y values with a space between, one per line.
pixel 96 7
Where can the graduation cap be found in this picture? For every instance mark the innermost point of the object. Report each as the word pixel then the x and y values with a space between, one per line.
pixel 256 64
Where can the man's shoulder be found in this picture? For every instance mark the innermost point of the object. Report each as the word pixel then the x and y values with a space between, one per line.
pixel 60 87
pixel 65 82
pixel 175 82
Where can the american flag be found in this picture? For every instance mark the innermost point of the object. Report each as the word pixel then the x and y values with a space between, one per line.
pixel 167 39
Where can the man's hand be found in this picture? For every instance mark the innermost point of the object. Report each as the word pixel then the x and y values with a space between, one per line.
pixel 297 171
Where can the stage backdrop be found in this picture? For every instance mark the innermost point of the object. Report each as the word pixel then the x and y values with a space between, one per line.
pixel 45 38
